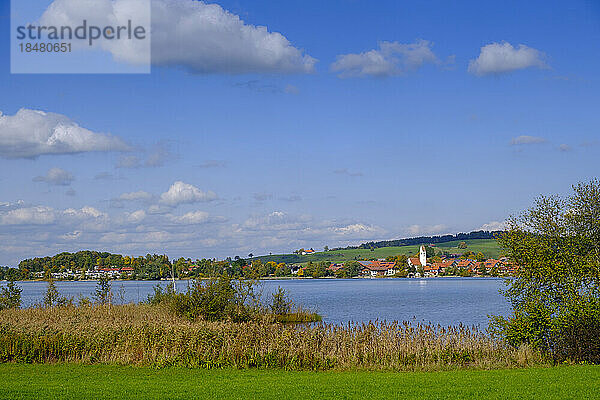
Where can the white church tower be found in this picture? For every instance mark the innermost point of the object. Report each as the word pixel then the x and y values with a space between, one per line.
pixel 423 256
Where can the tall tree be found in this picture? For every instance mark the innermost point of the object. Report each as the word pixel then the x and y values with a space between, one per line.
pixel 556 292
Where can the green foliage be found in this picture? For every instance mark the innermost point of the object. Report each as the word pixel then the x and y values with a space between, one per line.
pixel 52 297
pixel 430 251
pixel 352 268
pixel 556 293
pixel 210 300
pixel 281 304
pixel 10 296
pixel 103 292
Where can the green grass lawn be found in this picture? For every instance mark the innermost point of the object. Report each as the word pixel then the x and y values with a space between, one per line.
pixel 489 247
pixel 68 381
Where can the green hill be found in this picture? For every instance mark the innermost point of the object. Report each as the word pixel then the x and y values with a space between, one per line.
pixel 489 247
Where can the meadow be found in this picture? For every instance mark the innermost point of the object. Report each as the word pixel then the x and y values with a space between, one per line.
pixel 489 247
pixel 70 381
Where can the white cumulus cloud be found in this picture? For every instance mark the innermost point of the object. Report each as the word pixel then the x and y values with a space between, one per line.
pixel 501 58
pixel 31 133
pixel 181 193
pixel 38 215
pixel 200 37
pixel 391 58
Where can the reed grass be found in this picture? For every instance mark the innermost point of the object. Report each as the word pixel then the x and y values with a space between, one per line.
pixel 152 336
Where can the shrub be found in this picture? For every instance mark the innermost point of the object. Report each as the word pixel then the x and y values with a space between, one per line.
pixel 10 296
pixel 280 304
pixel 211 300
pixel 103 292
pixel 52 298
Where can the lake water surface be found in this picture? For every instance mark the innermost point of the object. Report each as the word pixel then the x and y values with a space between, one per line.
pixel 444 301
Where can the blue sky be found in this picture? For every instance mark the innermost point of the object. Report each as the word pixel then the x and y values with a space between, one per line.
pixel 275 158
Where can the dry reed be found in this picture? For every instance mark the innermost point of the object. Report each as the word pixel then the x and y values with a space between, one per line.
pixel 145 335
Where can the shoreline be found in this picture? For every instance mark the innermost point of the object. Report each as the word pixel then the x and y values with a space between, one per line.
pixel 280 278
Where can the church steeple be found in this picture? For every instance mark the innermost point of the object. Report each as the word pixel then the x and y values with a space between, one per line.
pixel 423 256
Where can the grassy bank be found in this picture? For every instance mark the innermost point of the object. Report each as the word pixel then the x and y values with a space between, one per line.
pixel 69 381
pixel 489 247
pixel 152 336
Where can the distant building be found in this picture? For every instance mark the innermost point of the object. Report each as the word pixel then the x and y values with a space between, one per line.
pixel 423 256
pixel 378 268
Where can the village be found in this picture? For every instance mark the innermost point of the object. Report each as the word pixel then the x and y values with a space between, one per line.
pixel 401 266
pixel 422 267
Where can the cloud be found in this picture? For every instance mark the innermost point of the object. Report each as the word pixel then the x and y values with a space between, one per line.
pixel 275 221
pixel 136 216
pixel 494 226
pixel 133 196
pixel 192 218
pixel 11 206
pixel 32 133
pixel 354 229
pixel 71 235
pixel 27 231
pixel 426 230
pixel 189 34
pixel 526 139
pixel 502 58
pixel 38 215
pixel 56 176
pixel 213 164
pixel 390 59
pixel 86 212
pixel 181 193
pixel 345 171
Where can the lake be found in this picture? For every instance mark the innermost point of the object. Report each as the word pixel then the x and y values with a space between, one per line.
pixel 444 301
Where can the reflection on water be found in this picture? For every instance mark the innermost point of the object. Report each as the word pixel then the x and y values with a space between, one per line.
pixel 444 301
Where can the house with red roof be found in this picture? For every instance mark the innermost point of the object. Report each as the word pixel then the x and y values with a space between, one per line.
pixel 378 268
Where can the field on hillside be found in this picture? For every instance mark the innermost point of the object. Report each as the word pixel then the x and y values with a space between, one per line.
pixel 489 247
pixel 67 381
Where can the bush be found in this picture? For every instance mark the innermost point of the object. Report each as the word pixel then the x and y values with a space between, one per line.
pixel 10 296
pixel 280 304
pixel 211 300
pixel 576 331
pixel 52 298
pixel 103 292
